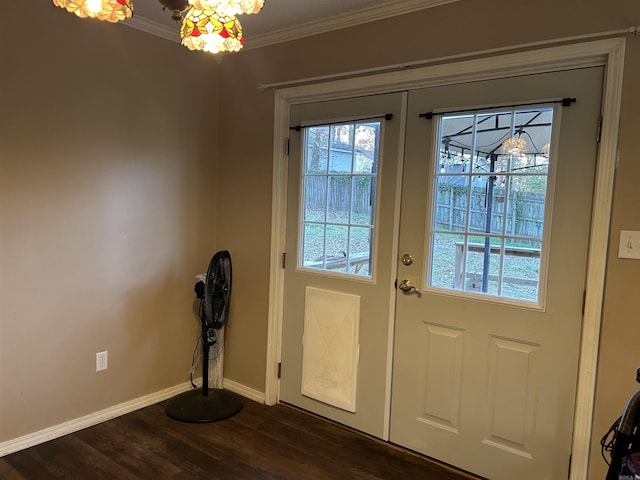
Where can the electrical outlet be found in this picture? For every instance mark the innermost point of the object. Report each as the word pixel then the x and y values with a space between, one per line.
pixel 102 359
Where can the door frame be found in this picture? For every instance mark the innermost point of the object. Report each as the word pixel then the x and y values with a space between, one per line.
pixel 608 52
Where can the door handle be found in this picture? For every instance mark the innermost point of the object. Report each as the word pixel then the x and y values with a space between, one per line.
pixel 408 289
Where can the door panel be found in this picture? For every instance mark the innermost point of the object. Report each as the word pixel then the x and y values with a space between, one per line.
pixel 340 268
pixel 478 382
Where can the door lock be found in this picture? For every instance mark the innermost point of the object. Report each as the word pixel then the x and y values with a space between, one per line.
pixel 408 289
pixel 406 259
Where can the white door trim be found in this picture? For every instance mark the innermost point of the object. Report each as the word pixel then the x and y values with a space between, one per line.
pixel 609 52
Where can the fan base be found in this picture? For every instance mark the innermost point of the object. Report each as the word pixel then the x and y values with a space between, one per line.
pixel 194 407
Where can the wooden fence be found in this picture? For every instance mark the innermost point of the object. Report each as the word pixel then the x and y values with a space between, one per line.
pixel 524 213
pixel 339 191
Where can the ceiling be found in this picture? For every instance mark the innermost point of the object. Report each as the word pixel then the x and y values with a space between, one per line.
pixel 282 20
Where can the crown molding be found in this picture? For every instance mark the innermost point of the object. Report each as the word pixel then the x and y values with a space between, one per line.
pixel 307 29
pixel 365 15
pixel 154 28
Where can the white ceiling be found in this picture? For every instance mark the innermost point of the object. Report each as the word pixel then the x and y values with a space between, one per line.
pixel 282 20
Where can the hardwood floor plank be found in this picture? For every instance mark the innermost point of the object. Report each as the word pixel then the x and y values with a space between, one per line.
pixel 7 472
pixel 135 456
pixel 259 443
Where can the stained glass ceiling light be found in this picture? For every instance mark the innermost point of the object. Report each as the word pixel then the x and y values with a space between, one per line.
pixel 208 25
pixel 210 31
pixel 107 10
pixel 229 7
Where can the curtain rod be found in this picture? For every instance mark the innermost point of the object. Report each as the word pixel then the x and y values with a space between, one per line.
pixel 566 102
pixel 634 30
pixel 386 116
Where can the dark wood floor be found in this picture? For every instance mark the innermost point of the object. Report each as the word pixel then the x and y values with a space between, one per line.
pixel 260 442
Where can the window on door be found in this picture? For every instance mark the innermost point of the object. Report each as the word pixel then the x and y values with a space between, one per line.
pixel 339 181
pixel 490 194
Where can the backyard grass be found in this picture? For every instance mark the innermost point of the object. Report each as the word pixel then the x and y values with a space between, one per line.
pixel 331 241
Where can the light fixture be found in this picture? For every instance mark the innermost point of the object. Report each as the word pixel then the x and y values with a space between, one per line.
pixel 106 10
pixel 514 145
pixel 176 7
pixel 229 7
pixel 210 31
pixel 208 25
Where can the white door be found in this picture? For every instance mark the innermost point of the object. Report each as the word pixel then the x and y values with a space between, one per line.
pixel 496 206
pixel 340 258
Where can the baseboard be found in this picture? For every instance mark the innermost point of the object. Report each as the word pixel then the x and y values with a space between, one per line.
pixel 56 431
pixel 243 390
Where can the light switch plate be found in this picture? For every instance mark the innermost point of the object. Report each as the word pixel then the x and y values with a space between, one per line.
pixel 629 244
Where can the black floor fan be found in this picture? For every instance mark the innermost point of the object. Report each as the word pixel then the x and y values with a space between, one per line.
pixel 209 405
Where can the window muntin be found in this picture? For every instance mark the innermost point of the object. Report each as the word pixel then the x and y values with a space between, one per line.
pixel 339 183
pixel 489 198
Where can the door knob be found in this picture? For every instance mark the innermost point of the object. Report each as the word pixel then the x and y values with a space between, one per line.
pixel 408 288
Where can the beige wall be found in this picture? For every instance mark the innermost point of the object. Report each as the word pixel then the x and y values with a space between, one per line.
pixel 463 27
pixel 106 214
pixel 107 211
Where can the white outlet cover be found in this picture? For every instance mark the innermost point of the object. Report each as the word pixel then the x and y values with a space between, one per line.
pixel 629 244
pixel 102 361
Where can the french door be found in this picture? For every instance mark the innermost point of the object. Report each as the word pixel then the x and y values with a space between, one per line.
pixel 496 206
pixel 342 189
pixel 489 260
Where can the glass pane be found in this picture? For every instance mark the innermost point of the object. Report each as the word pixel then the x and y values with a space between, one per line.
pixel 530 141
pixel 340 161
pixel 317 150
pixel 443 218
pixel 362 201
pixel 337 246
pixel 447 260
pixel 526 206
pixel 488 203
pixel 500 163
pixel 483 262
pixel 456 143
pixel 451 203
pixel 366 147
pixel 530 164
pixel 521 270
pixel 341 148
pixel 536 164
pixel 477 222
pixel 535 184
pixel 315 198
pixel 313 246
pixel 360 251
pixel 339 200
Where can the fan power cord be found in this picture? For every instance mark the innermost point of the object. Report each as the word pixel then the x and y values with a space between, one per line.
pixel 193 363
pixel 195 359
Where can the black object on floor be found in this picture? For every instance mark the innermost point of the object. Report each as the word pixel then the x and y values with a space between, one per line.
pixel 209 405
pixel 194 407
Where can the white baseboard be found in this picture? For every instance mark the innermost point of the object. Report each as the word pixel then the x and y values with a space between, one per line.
pixel 56 431
pixel 243 390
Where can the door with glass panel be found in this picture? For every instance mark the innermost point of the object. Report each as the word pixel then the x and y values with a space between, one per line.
pixel 340 258
pixel 496 206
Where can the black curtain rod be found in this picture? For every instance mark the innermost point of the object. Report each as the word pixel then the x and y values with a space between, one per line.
pixel 566 102
pixel 386 116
